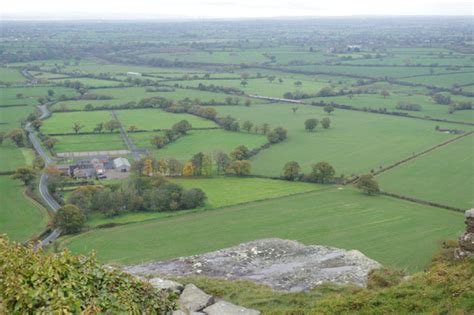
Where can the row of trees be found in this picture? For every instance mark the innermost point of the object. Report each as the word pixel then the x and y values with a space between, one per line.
pixel 321 172
pixel 177 130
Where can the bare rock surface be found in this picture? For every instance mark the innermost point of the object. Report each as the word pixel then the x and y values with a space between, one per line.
pixel 223 307
pixel 193 299
pixel 168 285
pixel 281 264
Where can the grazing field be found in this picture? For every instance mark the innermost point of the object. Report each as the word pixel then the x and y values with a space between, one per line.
pixel 445 175
pixel 220 191
pixel 96 142
pixel 153 119
pixel 63 122
pixel 29 95
pixel 208 141
pixel 226 191
pixel 11 117
pixel 89 82
pixel 445 80
pixel 394 232
pixel 11 75
pixel 377 101
pixel 356 142
pixel 12 157
pixel 20 218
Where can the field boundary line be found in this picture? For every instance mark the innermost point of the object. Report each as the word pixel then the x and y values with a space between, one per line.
pixel 421 201
pixel 440 145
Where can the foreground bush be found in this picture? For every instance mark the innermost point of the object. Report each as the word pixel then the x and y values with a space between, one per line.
pixel 35 282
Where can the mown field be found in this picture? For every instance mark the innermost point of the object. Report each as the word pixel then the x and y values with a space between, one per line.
pixel 356 142
pixel 12 157
pixel 220 192
pixel 208 141
pixel 63 122
pixel 20 217
pixel 445 175
pixel 394 232
pixel 11 75
pixel 153 119
pixel 96 142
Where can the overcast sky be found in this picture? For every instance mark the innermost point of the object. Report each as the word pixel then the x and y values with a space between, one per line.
pixel 160 9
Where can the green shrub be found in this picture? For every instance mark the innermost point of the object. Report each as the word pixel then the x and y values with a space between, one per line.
pixel 35 282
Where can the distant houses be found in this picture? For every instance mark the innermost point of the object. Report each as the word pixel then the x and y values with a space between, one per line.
pixel 95 168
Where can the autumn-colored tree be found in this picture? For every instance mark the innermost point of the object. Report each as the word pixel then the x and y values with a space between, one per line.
pixel 188 169
pixel 148 167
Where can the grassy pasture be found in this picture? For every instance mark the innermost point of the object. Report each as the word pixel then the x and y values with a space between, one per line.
pixel 208 141
pixel 63 122
pixel 47 75
pixel 11 75
pixel 444 80
pixel 152 118
pixel 89 82
pixel 97 142
pixel 12 157
pixel 376 72
pixel 394 232
pixel 221 191
pixel 20 218
pixel 263 86
pixel 227 191
pixel 356 142
pixel 376 101
pixel 11 117
pixel 8 95
pixel 445 175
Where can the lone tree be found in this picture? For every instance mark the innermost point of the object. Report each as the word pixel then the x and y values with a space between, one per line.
pixel 277 135
pixel 298 83
pixel 99 127
pixel 294 109
pixel 36 124
pixel 2 137
pixel 181 127
pixel 368 184
pixel 111 125
pixel 322 172
pixel 77 127
pixel 132 129
pixel 18 136
pixel 291 170
pixel 69 219
pixel 328 109
pixel 385 93
pixel 244 83
pixel 247 126
pixel 326 122
pixel 271 78
pixel 25 174
pixel 310 124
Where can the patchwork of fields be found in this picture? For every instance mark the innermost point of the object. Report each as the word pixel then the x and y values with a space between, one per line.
pixel 403 234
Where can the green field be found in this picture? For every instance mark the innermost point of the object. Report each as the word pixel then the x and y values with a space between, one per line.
pixel 89 82
pixel 445 175
pixel 394 232
pixel 11 75
pixel 20 217
pixel 220 192
pixel 12 157
pixel 97 142
pixel 377 101
pixel 226 191
pixel 152 119
pixel 208 141
pixel 356 142
pixel 63 122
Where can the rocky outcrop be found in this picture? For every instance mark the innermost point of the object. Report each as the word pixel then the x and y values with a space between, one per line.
pixel 466 240
pixel 281 264
pixel 194 301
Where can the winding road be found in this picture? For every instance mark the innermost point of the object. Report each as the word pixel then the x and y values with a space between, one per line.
pixel 42 187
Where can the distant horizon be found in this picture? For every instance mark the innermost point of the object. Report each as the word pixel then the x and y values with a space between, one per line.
pixel 226 9
pixel 210 19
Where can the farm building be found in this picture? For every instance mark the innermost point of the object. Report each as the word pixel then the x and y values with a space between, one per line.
pixel 133 74
pixel 122 164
